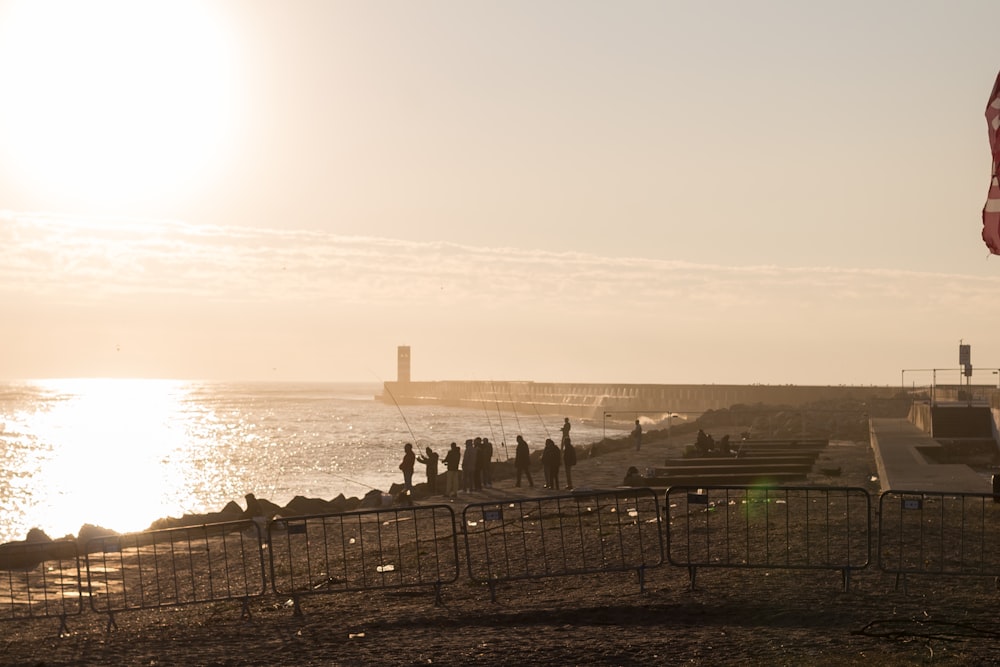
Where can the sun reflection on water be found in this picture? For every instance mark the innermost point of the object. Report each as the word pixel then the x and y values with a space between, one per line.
pixel 123 453
pixel 102 453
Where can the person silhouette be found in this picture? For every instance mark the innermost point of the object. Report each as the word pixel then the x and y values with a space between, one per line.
pixel 522 462
pixel 431 461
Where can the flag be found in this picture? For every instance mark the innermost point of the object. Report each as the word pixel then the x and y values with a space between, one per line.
pixel 991 211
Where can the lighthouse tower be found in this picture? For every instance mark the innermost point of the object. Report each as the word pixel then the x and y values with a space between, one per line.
pixel 403 363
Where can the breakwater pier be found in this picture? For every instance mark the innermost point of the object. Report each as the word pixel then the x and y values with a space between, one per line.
pixel 597 400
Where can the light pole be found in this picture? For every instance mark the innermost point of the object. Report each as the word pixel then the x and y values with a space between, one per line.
pixel 604 435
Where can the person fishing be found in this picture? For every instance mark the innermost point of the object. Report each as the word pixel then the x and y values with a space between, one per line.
pixel 409 458
pixel 550 464
pixel 431 461
pixel 637 435
pixel 522 461
pixel 569 460
pixel 452 461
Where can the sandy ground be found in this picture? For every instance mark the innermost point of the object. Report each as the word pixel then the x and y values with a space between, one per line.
pixel 739 617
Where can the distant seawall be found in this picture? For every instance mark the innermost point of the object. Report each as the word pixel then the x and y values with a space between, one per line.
pixel 595 400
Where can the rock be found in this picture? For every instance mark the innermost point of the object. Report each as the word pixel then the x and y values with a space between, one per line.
pixel 300 506
pixel 341 504
pixel 37 535
pixel 90 532
pixel 269 508
pixel 372 500
pixel 232 510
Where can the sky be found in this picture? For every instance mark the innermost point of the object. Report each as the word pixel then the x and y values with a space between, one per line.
pixel 772 192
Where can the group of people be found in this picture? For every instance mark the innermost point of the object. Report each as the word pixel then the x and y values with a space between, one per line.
pixel 470 469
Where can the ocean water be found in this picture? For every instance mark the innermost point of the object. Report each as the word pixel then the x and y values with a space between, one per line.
pixel 123 453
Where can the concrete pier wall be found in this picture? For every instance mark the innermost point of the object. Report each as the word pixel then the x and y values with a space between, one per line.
pixel 594 400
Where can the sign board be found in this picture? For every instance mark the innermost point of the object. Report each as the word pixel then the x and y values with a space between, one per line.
pixel 965 355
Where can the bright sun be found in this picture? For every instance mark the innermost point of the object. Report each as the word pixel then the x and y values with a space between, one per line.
pixel 115 100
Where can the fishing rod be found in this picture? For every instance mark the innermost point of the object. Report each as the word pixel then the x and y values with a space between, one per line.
pixel 503 435
pixel 396 403
pixel 353 481
pixel 482 399
pixel 513 407
pixel 541 420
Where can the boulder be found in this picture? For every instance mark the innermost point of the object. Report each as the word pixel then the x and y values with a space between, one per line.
pixel 300 506
pixel 90 532
pixel 37 535
pixel 372 500
pixel 232 510
pixel 342 504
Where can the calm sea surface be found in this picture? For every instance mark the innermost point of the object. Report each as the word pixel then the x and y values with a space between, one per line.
pixel 122 453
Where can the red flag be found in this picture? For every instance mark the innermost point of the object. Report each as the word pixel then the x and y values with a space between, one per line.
pixel 991 211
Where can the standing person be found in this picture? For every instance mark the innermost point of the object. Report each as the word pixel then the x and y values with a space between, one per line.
pixel 637 435
pixel 569 460
pixel 522 461
pixel 550 464
pixel 431 461
pixel 477 465
pixel 469 466
pixel 565 430
pixel 484 457
pixel 452 461
pixel 409 458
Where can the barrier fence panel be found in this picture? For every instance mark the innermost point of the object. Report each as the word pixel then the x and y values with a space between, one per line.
pixel 39 580
pixel 769 527
pixel 176 566
pixel 581 533
pixel 373 549
pixel 939 533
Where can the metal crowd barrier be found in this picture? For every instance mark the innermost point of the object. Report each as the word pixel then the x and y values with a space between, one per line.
pixel 176 566
pixel 924 532
pixel 40 580
pixel 601 531
pixel 769 527
pixel 360 551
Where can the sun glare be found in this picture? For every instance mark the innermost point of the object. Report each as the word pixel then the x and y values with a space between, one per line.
pixel 104 446
pixel 115 100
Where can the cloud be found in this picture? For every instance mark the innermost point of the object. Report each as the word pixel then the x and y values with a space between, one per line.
pixel 94 259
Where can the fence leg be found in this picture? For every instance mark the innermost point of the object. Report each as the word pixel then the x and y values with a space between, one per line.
pixel 692 574
pixel 641 571
pixel 437 595
pixel 846 578
pixel 63 628
pixel 493 589
pixel 111 623
pixel 245 614
pixel 296 607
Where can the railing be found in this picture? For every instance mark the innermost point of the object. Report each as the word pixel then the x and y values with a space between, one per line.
pixel 177 566
pixel 769 527
pixel 563 535
pixel 939 533
pixel 621 530
pixel 361 551
pixel 40 580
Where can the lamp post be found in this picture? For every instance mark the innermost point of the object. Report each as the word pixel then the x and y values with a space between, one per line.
pixel 604 435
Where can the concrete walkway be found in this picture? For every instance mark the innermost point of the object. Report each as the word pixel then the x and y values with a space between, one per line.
pixel 902 467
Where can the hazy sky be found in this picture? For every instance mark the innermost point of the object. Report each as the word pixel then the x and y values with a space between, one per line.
pixel 717 192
